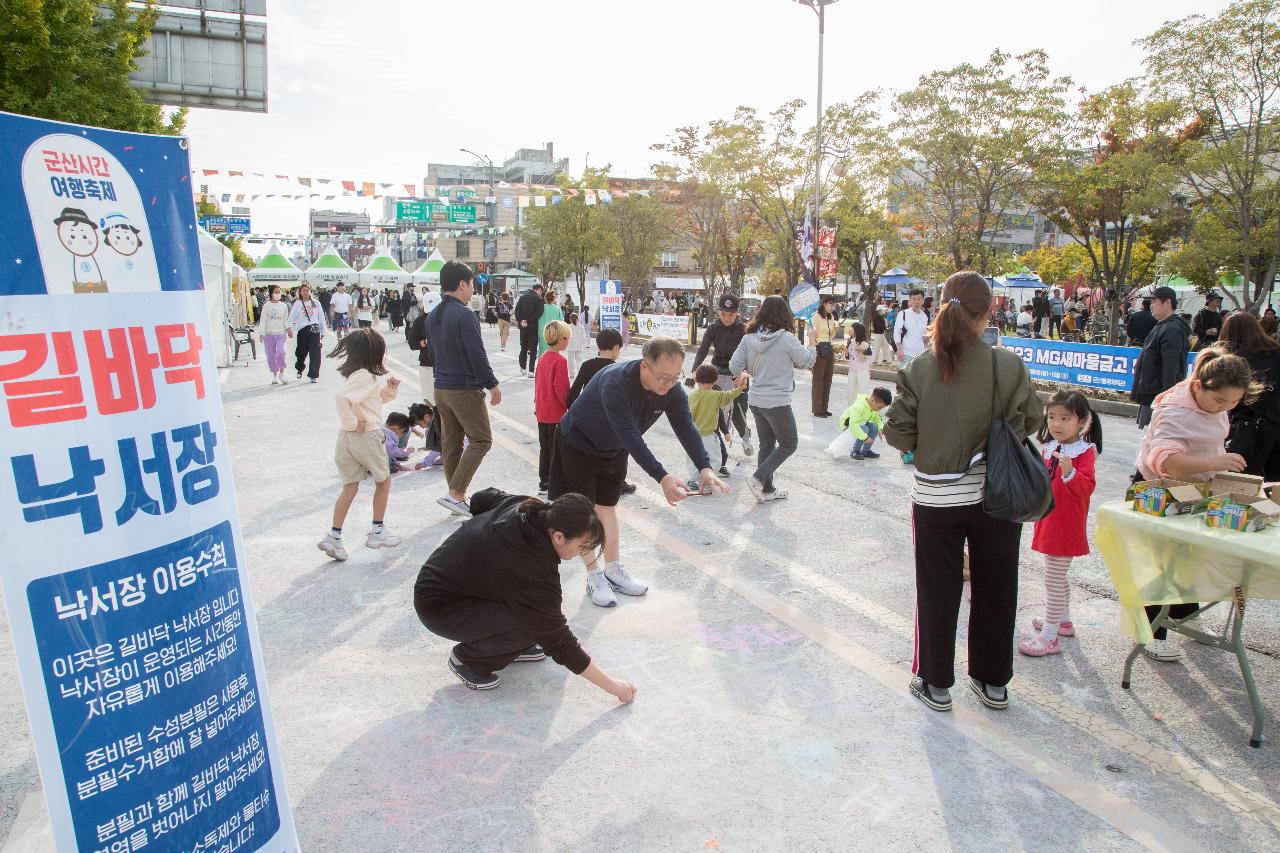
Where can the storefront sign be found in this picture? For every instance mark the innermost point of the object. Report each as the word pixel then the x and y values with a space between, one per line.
pixel 134 628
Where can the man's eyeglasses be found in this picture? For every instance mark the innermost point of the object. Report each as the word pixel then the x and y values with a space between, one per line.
pixel 665 380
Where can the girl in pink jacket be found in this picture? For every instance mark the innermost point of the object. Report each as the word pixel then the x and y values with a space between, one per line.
pixel 1186 440
pixel 1189 423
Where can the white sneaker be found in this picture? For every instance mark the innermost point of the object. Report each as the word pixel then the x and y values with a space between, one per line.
pixel 454 506
pixel 332 546
pixel 1161 650
pixel 600 591
pixel 284 380
pixel 621 580
pixel 756 487
pixel 775 495
pixel 275 380
pixel 384 538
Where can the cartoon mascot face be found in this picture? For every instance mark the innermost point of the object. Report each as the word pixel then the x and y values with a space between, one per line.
pixel 77 232
pixel 120 234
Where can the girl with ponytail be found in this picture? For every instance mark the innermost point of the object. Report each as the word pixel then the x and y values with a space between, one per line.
pixel 494 587
pixel 1187 441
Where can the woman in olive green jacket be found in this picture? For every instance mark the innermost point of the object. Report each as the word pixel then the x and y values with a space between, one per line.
pixel 943 413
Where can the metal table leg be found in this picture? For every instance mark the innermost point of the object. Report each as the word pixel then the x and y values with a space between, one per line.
pixel 1160 620
pixel 1237 642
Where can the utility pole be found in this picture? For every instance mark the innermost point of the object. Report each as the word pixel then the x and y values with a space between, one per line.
pixel 819 7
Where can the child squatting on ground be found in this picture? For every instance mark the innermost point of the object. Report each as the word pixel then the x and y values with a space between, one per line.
pixel 395 437
pixel 864 421
pixel 361 450
pixel 705 404
pixel 1070 440
pixel 550 394
pixel 1186 440
pixel 422 416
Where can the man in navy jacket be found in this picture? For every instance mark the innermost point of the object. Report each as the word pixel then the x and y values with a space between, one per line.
pixel 462 375
pixel 604 426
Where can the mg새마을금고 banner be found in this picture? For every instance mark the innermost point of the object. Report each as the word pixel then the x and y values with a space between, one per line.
pixel 123 568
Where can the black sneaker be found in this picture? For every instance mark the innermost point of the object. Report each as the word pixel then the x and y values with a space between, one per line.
pixel 470 677
pixel 533 653
pixel 934 697
pixel 870 454
pixel 628 488
pixel 856 455
pixel 991 696
pixel 724 471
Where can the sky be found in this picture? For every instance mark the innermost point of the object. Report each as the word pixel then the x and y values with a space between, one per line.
pixel 373 91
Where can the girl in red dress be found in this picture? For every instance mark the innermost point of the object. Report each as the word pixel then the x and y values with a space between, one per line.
pixel 1071 440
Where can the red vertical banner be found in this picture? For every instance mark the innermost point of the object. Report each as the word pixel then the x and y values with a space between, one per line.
pixel 827 258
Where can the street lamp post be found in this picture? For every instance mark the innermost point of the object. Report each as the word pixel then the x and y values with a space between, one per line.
pixel 493 211
pixel 819 7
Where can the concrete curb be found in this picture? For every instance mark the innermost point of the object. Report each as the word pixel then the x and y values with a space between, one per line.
pixel 1102 407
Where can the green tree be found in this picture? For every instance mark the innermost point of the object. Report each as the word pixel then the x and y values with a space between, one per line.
pixel 1115 183
pixel 966 141
pixel 231 241
pixel 70 60
pixel 641 228
pixel 570 234
pixel 1056 264
pixel 1224 73
pixel 866 235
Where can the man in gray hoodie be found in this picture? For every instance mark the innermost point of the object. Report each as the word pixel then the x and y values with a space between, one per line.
pixel 768 356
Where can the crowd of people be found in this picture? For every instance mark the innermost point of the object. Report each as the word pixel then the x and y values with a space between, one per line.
pixel 493 587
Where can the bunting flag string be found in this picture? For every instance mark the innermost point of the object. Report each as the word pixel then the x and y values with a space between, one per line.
pixel 537 194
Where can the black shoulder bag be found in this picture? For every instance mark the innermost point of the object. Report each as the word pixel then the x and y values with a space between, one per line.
pixel 1019 488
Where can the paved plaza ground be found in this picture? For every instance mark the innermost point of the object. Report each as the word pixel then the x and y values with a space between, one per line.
pixel 771 656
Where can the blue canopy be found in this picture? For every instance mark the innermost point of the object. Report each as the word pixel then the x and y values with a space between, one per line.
pixel 898 277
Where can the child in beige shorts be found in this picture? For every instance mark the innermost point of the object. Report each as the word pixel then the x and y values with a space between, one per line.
pixel 360 451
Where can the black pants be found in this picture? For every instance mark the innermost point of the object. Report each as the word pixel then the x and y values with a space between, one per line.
pixel 546 440
pixel 940 534
pixel 308 347
pixel 488 633
pixel 529 345
pixel 1055 322
pixel 1176 611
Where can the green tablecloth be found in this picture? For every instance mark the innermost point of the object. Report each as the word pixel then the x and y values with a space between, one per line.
pixel 1156 560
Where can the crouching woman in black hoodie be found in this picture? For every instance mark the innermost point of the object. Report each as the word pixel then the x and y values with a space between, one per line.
pixel 494 587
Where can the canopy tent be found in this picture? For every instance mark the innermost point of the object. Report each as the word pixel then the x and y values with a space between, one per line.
pixel 429 272
pixel 512 272
pixel 275 268
pixel 1190 299
pixel 897 280
pixel 383 270
pixel 1019 286
pixel 330 268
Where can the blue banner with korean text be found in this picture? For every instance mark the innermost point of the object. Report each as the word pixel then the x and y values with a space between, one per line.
pixel 129 609
pixel 1090 365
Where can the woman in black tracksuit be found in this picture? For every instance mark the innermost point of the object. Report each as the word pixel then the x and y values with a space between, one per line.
pixel 494 586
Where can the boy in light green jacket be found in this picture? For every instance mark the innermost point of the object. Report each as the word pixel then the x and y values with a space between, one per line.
pixel 864 421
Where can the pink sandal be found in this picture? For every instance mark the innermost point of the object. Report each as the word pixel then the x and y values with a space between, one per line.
pixel 1065 629
pixel 1036 647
